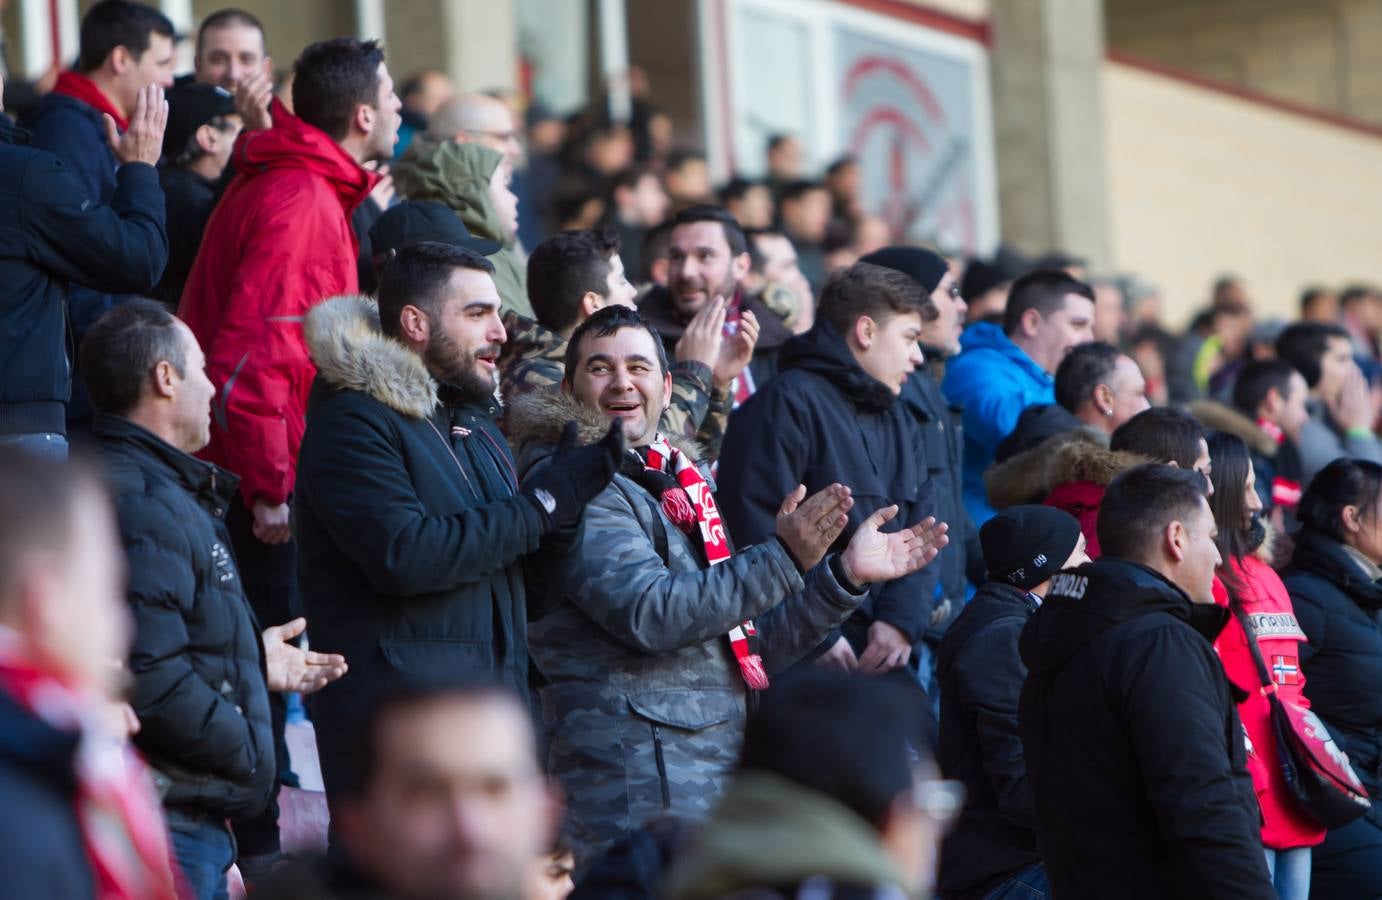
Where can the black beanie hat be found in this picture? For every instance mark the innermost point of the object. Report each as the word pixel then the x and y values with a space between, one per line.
pixel 925 267
pixel 1026 545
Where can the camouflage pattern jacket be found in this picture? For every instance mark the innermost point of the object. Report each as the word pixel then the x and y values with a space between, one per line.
pixel 644 704
pixel 534 359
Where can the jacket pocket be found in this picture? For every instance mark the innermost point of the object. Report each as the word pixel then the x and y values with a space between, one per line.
pixel 429 657
pixel 679 748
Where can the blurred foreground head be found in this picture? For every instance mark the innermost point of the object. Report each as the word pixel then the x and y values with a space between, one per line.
pixel 61 572
pixel 449 800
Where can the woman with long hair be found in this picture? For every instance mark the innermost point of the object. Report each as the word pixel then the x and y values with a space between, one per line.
pixel 1334 583
pixel 1248 585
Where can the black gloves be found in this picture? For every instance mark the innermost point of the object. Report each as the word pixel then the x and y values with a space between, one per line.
pixel 575 475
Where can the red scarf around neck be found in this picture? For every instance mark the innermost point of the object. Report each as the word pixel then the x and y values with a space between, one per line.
pixel 116 805
pixel 79 87
pixel 691 507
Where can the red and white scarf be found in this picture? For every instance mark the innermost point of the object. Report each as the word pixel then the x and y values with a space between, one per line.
pixel 691 506
pixel 117 807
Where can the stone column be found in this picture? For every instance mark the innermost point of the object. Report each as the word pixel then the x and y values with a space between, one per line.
pixel 1047 61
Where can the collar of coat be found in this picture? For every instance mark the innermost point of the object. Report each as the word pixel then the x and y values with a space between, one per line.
pixel 351 353
pixel 1078 455
pixel 537 418
pixel 211 485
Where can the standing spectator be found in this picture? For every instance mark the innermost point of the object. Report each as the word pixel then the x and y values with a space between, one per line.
pixel 231 51
pixel 775 278
pixel 1096 387
pixel 992 853
pixel 941 435
pixel 473 181
pixel 125 47
pixel 833 415
pixel 1362 314
pixel 842 179
pixel 1335 585
pixel 476 119
pixel 422 94
pixel 574 274
pixel 687 179
pixel 202 128
pixel 278 243
pixel 1319 304
pixel 1252 590
pixel 827 802
pixel 448 800
pixel 708 258
pixel 1110 313
pixel 81 815
pixel 1003 370
pixel 750 202
pixel 411 523
pixel 1341 409
pixel 785 163
pixel 54 234
pixel 1273 395
pixel 1127 718
pixel 638 203
pixel 654 635
pixel 804 208
pixel 987 282
pixel 197 664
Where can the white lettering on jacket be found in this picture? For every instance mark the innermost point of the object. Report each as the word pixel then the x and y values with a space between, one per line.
pixel 1276 625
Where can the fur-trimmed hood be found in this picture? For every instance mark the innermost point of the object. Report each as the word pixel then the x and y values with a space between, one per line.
pixel 536 420
pixel 350 352
pixel 1078 455
pixel 1226 419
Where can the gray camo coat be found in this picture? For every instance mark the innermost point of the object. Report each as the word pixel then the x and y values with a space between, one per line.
pixel 644 705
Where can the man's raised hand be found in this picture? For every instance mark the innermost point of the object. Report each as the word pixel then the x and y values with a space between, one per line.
pixel 874 556
pixel 809 528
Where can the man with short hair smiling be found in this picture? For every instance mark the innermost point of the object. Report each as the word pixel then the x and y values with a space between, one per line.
pixel 410 519
pixel 653 632
pixel 1003 370
pixel 1133 748
pixel 708 258
pixel 231 54
pixel 571 276
pixel 833 415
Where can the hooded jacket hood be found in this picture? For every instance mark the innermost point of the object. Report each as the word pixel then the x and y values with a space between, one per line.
pixel 293 144
pixel 769 832
pixel 988 336
pixel 350 352
pixel 457 175
pixel 1078 455
pixel 823 351
pixel 1219 417
pixel 1085 602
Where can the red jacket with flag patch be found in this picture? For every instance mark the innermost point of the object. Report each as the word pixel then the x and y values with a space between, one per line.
pixel 278 243
pixel 1263 597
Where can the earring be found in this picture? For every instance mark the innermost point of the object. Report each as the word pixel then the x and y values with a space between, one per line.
pixel 1108 412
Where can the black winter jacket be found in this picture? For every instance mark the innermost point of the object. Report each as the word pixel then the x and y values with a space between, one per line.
pixel 1340 611
pixel 980 676
pixel 189 198
pixel 53 234
pixel 1134 750
pixel 40 839
pixel 411 535
pixel 823 419
pixel 942 443
pixel 197 660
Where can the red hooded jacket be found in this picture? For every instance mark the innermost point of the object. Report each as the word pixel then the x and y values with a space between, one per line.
pixel 1279 635
pixel 278 243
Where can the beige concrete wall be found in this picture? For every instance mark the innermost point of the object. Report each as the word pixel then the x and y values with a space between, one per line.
pixel 1202 183
pixel 1322 53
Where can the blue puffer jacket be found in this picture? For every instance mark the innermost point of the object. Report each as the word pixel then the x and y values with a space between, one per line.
pixel 994 380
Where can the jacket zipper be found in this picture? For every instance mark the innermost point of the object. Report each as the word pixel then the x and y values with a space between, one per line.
pixel 661 768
